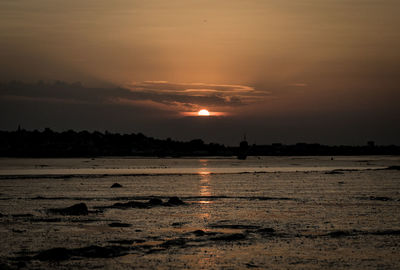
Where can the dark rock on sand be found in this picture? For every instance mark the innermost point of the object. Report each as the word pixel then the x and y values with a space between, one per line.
pixel 155 250
pixel 45 220
pixel 380 198
pixel 122 242
pixel 4 266
pixel 54 254
pixel 20 265
pixel 235 226
pixel 155 201
pixel 127 242
pixel 39 198
pixel 178 224
pixel 262 198
pixel 79 209
pixel 334 172
pixel 251 265
pixel 174 242
pixel 265 231
pixel 175 201
pixel 387 232
pixel 22 215
pixel 199 232
pixel 119 225
pixel 396 168
pixel 100 252
pixel 202 233
pixel 131 204
pixel 376 198
pixel 337 234
pixel 229 237
pixel 61 254
pixel 116 185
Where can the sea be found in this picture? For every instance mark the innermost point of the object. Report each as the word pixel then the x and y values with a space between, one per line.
pixel 303 212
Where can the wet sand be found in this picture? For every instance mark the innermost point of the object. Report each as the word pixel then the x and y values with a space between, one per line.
pixel 344 213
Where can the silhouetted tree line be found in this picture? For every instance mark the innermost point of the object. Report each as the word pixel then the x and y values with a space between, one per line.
pixel 315 149
pixel 48 143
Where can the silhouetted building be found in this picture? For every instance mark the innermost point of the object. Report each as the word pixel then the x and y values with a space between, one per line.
pixel 371 143
pixel 243 149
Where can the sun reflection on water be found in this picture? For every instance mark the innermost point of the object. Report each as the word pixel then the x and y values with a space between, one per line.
pixel 205 190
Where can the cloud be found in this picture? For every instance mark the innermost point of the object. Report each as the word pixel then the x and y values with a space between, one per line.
pixel 195 95
pixel 162 94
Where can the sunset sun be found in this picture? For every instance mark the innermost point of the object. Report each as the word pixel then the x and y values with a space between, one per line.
pixel 203 112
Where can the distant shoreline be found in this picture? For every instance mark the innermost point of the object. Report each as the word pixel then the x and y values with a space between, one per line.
pixel 51 144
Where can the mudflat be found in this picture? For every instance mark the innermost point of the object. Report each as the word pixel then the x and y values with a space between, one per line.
pixel 208 213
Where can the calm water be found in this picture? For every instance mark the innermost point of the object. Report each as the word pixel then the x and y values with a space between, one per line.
pixel 118 166
pixel 269 212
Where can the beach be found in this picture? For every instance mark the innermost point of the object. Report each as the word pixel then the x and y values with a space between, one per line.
pixel 200 213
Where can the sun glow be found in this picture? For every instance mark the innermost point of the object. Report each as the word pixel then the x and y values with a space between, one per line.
pixel 203 112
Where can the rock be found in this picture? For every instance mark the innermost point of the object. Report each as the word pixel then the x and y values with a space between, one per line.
pixel 61 254
pixel 266 231
pixel 178 224
pixel 155 201
pixel 22 215
pixel 175 201
pixel 116 185
pixel 334 172
pixel 119 225
pixel 274 199
pixel 54 254
pixel 199 232
pixel 39 198
pixel 202 233
pixel 20 265
pixel 336 234
pixel 79 209
pixel 131 204
pixel 155 250
pixel 396 168
pixel 4 266
pixel 230 237
pixel 45 220
pixel 100 252
pixel 174 242
pixel 235 226
pixel 125 242
pixel 387 232
pixel 373 198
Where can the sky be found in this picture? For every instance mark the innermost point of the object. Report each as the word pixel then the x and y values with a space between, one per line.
pixel 276 70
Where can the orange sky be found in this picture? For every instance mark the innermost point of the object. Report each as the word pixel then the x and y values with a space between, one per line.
pixel 261 59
